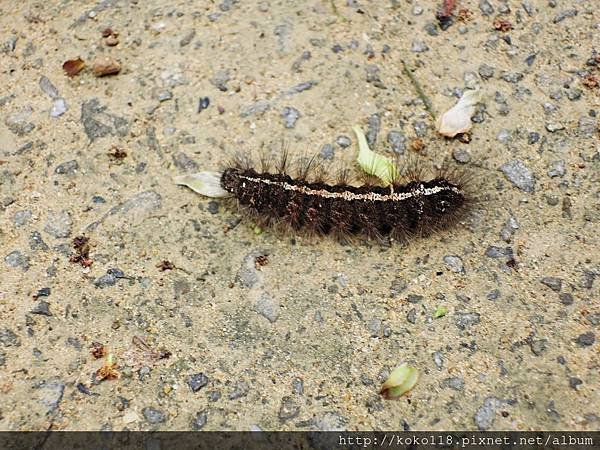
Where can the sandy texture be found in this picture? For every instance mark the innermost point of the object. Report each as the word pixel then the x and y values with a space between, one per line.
pixel 301 339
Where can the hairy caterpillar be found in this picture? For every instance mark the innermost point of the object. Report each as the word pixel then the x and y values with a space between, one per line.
pixel 400 211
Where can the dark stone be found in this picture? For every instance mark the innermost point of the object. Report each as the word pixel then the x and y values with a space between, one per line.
pixel 36 242
pixel 154 415
pixel 553 283
pixel 98 123
pixel 199 420
pixel 566 298
pixel 42 308
pixel 288 410
pixel 585 339
pixel 197 381
pixel 67 168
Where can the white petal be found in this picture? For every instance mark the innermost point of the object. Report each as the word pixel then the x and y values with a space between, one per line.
pixel 458 118
pixel 205 183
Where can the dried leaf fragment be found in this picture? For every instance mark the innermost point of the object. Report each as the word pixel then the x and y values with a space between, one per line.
pixel 402 379
pixel 109 370
pixel 458 118
pixel 98 350
pixel 73 66
pixel 105 65
pixel 502 25
pixel 373 163
pixel 165 265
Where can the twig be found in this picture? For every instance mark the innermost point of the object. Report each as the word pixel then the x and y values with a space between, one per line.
pixel 419 89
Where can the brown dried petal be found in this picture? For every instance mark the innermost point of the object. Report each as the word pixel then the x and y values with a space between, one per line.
pixel 73 66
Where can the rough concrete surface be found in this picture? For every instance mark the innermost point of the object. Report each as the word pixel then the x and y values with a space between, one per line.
pixel 246 330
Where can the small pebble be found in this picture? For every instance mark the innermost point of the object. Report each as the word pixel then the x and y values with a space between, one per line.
pixel 42 308
pixel 197 381
pixel 553 283
pixel 585 339
pixel 519 175
pixel 154 415
pixel 105 65
pixel 397 141
pixel 203 103
pixel 557 169
pixel 454 263
pixel 343 141
pixel 461 155
pixel 290 116
pixel 199 420
pixel 418 46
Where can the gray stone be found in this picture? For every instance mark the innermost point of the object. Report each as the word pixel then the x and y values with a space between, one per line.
pixel 187 39
pixel 504 136
pixel 36 242
pixel 485 415
pixel 575 382
pixel 41 308
pixel 59 107
pixel 197 381
pixel 461 155
pixel 59 224
pixel 51 394
pixel 420 128
pixel 220 80
pixel 538 346
pixel 290 116
pixel 519 175
pixel 9 339
pixel 587 279
pixel 438 360
pixel 256 108
pixel 431 28
pixel 20 218
pixel 298 386
pixel 486 8
pixel 533 138
pixel 557 169
pixel 267 307
pixel 154 415
pixel 418 46
pixel 587 127
pixel 199 420
pixel 398 141
pixel 374 124
pixel 330 421
pixel 454 263
pixel 241 390
pixel 105 280
pixel 412 316
pixel 373 76
pixel 585 339
pixel 512 77
pixel 327 152
pixel 302 87
pixel 67 168
pixel 466 320
pixel 455 383
pixel 288 409
pixel 566 298
pixel 564 14
pixel 343 141
pixel 163 96
pixel 17 259
pixel 509 229
pixel 553 283
pixel 98 123
pixel 248 276
pixel 486 71
pixel 48 88
pixel 18 122
pixel 554 127
pixel 184 162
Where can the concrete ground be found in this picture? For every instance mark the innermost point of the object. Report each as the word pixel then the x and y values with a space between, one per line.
pixel 215 340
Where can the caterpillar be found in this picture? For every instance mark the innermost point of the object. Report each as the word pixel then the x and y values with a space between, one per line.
pixel 407 208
